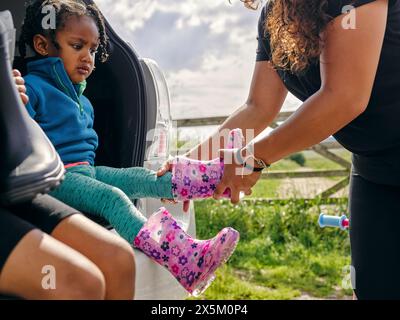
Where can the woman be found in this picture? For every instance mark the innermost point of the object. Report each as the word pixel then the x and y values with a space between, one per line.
pixel 50 251
pixel 345 68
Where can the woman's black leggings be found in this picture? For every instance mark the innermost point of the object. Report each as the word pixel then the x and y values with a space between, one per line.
pixel 375 238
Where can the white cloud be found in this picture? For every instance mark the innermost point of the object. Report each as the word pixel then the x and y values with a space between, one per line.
pixel 206 48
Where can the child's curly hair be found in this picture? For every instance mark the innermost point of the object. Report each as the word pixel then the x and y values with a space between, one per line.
pixel 64 9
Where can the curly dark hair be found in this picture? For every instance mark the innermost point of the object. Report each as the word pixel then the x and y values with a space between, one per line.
pixel 64 9
pixel 295 28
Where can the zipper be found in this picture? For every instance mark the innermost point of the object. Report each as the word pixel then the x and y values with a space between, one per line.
pixel 66 89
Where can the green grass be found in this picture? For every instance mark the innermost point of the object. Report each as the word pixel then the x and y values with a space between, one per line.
pixel 285 164
pixel 282 253
pixel 265 189
pixel 318 162
pixel 268 188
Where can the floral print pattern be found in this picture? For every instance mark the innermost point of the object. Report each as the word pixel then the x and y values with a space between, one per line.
pixel 193 179
pixel 192 262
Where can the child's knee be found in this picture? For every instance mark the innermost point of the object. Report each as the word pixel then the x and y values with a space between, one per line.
pixel 118 194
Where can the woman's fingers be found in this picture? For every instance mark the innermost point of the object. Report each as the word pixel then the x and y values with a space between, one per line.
pixel 24 97
pixel 222 186
pixel 16 73
pixel 169 201
pixel 166 166
pixel 21 89
pixel 161 171
pixel 19 80
pixel 235 195
pixel 186 205
pixel 219 190
pixel 235 178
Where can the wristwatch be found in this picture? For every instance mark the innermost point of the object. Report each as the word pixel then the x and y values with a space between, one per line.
pixel 261 165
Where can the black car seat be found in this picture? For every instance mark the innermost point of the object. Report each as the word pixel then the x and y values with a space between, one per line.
pixel 118 93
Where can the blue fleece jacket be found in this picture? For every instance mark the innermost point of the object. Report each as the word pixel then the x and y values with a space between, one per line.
pixel 61 110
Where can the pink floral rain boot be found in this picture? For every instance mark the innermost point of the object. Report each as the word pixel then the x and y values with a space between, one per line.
pixel 192 262
pixel 194 179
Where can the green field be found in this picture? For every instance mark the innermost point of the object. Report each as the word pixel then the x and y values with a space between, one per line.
pixel 268 188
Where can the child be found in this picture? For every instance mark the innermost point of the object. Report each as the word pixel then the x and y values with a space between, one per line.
pixel 55 83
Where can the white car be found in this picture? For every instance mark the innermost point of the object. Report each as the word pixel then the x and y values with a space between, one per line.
pixel 132 110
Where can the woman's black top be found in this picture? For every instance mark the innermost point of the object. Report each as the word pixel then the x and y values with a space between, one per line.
pixel 374 136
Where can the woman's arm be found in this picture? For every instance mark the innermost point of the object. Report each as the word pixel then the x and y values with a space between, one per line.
pixel 348 67
pixel 265 100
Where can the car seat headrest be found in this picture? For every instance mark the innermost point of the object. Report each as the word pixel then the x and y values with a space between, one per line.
pixel 7 29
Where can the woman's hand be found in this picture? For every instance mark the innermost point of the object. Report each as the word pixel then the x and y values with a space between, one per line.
pixel 20 82
pixel 235 177
pixel 167 166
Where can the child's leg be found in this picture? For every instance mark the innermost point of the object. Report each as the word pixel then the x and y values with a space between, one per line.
pixel 137 182
pixel 91 196
pixel 193 262
pixel 189 179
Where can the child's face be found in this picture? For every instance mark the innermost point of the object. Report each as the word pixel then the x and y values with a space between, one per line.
pixel 78 42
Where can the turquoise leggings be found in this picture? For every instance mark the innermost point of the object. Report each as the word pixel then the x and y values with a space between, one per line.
pixel 108 192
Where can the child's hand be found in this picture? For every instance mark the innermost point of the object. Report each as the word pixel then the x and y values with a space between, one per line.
pixel 20 82
pixel 167 166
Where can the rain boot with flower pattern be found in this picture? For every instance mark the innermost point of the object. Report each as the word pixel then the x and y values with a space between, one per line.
pixel 195 179
pixel 192 262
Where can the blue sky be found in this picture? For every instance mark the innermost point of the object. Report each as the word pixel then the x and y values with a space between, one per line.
pixel 206 49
